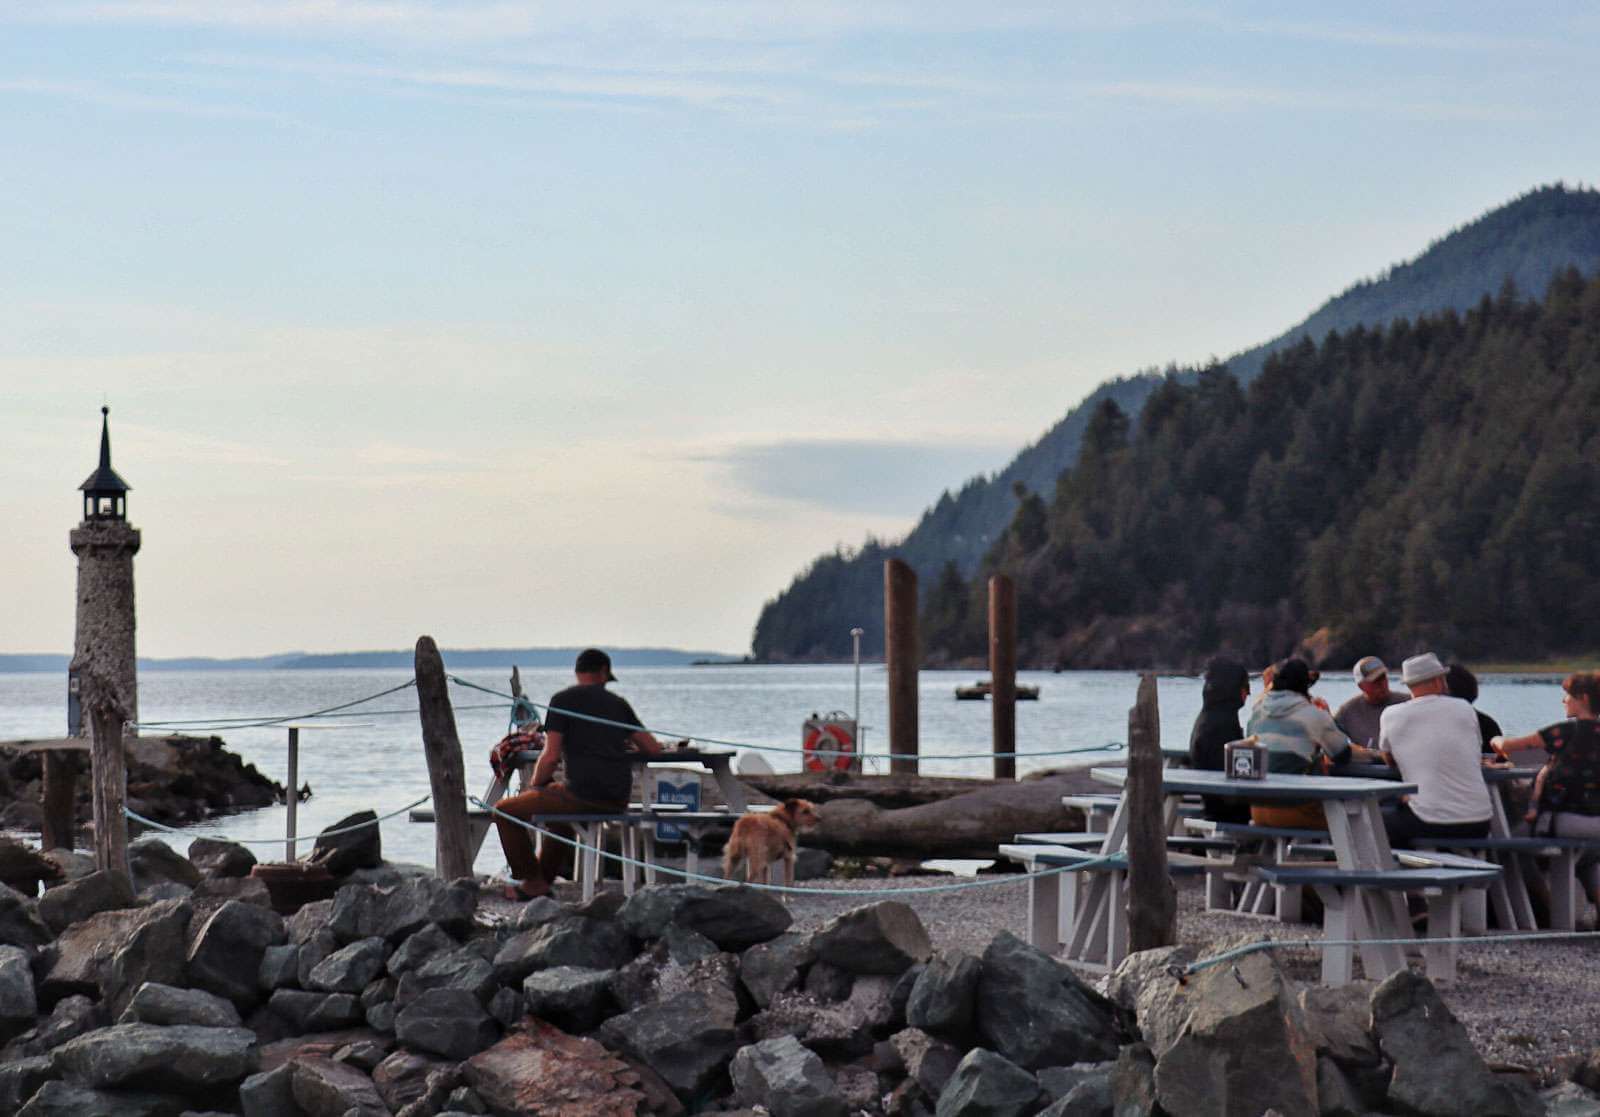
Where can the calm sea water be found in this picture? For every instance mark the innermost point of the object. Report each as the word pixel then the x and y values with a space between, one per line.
pixel 373 757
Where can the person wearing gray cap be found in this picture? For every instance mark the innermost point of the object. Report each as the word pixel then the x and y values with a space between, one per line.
pixel 1433 741
pixel 1359 715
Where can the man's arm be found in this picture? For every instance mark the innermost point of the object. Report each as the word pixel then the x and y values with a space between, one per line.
pixel 544 771
pixel 646 743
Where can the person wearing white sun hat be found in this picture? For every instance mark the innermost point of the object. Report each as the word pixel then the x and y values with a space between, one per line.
pixel 1433 741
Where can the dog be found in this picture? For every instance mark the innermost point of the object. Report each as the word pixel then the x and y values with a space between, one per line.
pixel 760 839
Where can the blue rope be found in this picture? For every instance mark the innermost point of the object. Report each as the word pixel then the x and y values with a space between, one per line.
pixel 154 825
pixel 1112 746
pixel 790 889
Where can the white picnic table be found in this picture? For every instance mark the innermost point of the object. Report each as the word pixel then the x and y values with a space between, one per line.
pixel 1098 935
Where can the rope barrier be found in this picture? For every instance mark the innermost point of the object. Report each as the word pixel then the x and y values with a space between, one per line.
pixel 1110 746
pixel 789 889
pixel 263 721
pixel 154 825
pixel 1465 940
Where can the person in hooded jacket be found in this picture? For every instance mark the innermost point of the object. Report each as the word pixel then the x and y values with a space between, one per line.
pixel 1226 689
pixel 1299 735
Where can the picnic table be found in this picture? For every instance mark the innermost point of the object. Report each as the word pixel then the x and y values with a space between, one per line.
pixel 1098 936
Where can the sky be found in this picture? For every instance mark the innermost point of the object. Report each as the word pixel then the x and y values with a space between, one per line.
pixel 522 323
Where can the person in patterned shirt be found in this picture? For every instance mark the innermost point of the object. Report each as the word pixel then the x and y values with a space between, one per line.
pixel 1568 786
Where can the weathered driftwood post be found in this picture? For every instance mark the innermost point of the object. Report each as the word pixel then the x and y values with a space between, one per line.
pixel 109 770
pixel 446 772
pixel 1003 674
pixel 901 657
pixel 59 800
pixel 1152 901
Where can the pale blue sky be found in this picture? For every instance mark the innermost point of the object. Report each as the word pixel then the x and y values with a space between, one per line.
pixel 526 323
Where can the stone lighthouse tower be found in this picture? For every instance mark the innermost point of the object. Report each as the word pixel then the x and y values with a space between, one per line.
pixel 105 544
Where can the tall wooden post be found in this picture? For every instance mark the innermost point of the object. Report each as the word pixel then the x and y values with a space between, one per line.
pixel 902 657
pixel 109 771
pixel 446 773
pixel 1003 674
pixel 59 800
pixel 1152 901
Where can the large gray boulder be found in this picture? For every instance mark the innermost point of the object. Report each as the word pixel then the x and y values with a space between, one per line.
pixel 944 999
pixel 1437 1071
pixel 65 904
pixel 988 1085
pixel 569 941
pixel 734 917
pixel 1133 1082
pixel 418 948
pixel 21 1078
pixel 772 967
pixel 306 923
pixel 270 1093
pixel 570 997
pixel 450 1023
pixel 20 924
pixel 1339 1019
pixel 350 968
pixel 111 954
pixel 179 1057
pixel 280 967
pixel 154 1003
pixel 152 861
pixel 1243 1046
pixel 216 858
pixel 786 1078
pixel 325 1088
pixel 687 1039
pixel 883 938
pixel 18 1001
pixel 68 1099
pixel 342 854
pixel 397 912
pixel 463 968
pixel 1037 1013
pixel 225 957
pixel 71 1018
pixel 305 1011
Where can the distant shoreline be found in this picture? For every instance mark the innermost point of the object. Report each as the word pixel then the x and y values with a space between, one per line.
pixel 459 658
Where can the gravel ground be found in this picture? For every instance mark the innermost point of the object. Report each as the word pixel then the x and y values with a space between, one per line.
pixel 1531 1005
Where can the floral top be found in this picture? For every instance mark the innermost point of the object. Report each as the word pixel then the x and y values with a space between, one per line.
pixel 1574 780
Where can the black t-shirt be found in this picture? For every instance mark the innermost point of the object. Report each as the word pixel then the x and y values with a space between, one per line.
pixel 596 755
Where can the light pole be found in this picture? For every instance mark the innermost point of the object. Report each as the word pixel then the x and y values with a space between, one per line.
pixel 855 637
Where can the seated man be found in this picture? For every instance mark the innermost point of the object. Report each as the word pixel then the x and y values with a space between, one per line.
pixel 1433 740
pixel 1359 715
pixel 587 727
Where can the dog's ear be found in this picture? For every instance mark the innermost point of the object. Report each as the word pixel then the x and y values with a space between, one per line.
pixel 792 805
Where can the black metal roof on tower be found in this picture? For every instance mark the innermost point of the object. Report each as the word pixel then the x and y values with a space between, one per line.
pixel 105 479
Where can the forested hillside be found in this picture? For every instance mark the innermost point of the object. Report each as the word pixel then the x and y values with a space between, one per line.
pixel 1432 485
pixel 1526 241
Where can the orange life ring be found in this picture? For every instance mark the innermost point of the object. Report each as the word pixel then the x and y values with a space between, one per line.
pixel 828 739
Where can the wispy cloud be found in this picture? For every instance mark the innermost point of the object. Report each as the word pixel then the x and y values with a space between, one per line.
pixel 103 95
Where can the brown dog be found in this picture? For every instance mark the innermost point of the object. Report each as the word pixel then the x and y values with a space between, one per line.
pixel 760 839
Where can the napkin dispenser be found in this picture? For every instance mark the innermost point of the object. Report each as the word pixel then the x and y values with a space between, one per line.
pixel 1244 760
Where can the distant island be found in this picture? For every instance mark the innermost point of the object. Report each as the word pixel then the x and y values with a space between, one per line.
pixel 453 657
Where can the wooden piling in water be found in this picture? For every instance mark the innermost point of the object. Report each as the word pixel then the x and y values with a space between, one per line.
pixel 902 658
pixel 1152 900
pixel 1003 674
pixel 446 773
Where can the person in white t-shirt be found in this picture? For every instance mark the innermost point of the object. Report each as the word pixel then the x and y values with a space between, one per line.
pixel 1433 740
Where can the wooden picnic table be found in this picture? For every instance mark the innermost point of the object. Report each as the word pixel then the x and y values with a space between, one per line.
pixel 1099 935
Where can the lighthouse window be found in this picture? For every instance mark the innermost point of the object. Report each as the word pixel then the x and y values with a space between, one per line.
pixel 105 506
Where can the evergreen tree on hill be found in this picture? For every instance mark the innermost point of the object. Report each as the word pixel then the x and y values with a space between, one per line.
pixel 1524 243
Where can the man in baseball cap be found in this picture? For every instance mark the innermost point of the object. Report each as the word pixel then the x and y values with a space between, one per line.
pixel 1359 716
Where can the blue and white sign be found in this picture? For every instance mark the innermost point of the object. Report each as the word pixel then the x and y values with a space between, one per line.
pixel 674 785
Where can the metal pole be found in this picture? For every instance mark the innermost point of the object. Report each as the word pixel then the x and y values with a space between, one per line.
pixel 855 636
pixel 293 798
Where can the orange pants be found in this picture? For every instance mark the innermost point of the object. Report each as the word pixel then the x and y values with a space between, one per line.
pixel 554 858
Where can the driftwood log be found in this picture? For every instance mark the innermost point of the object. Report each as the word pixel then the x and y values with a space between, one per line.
pixel 889 791
pixel 447 777
pixel 969 825
pixel 1152 900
